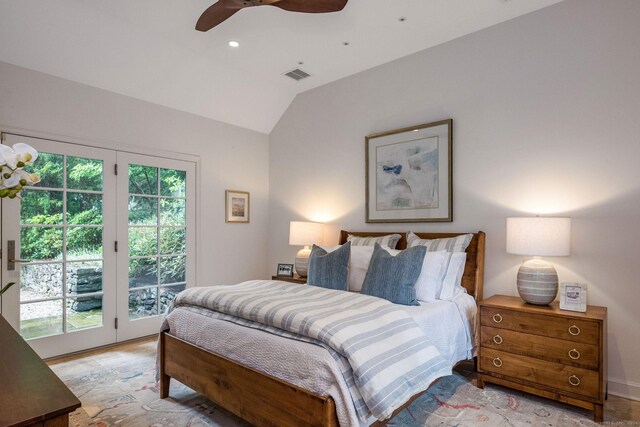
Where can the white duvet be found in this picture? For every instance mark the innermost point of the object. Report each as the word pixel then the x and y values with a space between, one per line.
pixel 456 341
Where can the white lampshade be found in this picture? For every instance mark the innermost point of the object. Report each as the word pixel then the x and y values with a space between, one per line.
pixel 302 233
pixel 539 236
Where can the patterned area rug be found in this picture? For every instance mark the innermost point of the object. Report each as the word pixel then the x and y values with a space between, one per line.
pixel 118 388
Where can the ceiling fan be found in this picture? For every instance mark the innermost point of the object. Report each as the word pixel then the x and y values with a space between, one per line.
pixel 224 9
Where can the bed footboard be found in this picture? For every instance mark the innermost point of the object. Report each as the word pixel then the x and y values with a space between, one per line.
pixel 256 397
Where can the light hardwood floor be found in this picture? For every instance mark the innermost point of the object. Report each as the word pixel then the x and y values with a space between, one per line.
pixel 623 409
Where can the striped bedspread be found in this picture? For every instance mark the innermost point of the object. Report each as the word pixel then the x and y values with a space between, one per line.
pixel 386 357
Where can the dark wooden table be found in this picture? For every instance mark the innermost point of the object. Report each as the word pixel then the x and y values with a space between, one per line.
pixel 30 393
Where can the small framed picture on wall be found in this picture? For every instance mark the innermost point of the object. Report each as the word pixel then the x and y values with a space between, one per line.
pixel 237 206
pixel 573 296
pixel 285 270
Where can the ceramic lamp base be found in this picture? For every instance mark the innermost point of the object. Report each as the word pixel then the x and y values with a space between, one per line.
pixel 537 282
pixel 302 261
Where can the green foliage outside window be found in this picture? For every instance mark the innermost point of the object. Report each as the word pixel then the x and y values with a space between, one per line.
pixel 45 208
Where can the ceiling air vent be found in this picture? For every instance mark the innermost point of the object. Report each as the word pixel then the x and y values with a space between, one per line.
pixel 297 74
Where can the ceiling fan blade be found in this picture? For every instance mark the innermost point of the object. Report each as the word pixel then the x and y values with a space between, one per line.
pixel 309 6
pixel 216 14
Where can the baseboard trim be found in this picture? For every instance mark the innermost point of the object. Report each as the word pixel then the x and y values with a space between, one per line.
pixel 99 349
pixel 626 389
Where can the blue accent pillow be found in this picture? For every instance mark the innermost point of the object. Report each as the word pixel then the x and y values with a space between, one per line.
pixel 394 277
pixel 329 270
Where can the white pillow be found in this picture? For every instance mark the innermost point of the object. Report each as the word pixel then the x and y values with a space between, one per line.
pixel 452 281
pixel 429 283
pixel 358 264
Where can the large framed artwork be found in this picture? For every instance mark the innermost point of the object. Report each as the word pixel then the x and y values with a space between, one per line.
pixel 408 174
pixel 237 206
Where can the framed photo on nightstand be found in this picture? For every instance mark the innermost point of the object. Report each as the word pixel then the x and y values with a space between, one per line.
pixel 285 270
pixel 573 296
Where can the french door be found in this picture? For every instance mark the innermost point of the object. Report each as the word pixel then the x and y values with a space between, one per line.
pixel 59 232
pixel 98 248
pixel 158 233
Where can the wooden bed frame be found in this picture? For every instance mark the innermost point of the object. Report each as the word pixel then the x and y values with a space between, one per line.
pixel 262 399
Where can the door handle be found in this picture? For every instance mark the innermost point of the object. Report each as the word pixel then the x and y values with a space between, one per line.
pixel 11 256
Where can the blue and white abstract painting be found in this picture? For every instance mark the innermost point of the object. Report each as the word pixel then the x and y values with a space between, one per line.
pixel 407 175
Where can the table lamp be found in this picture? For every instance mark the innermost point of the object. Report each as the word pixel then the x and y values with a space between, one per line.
pixel 538 236
pixel 302 233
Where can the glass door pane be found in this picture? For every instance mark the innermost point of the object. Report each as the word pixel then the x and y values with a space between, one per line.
pixel 160 219
pixel 61 221
pixel 157 238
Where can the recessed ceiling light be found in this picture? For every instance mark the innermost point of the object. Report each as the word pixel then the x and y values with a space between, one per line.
pixel 234 43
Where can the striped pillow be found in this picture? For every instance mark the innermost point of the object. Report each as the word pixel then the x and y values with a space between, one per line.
pixel 390 240
pixel 449 244
pixel 329 269
pixel 394 277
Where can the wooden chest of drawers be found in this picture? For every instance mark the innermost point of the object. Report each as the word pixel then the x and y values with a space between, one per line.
pixel 543 350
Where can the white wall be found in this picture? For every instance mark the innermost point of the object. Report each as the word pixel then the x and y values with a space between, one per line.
pixel 546 112
pixel 231 157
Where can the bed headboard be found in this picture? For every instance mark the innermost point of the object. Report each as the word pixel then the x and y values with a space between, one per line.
pixel 473 276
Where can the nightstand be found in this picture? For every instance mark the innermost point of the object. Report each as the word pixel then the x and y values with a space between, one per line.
pixel 558 354
pixel 294 279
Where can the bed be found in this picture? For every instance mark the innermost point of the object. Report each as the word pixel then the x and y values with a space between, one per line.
pixel 245 388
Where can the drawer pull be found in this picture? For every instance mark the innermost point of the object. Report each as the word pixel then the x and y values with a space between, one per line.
pixel 574 330
pixel 497 339
pixel 574 354
pixel 574 381
pixel 497 318
pixel 497 363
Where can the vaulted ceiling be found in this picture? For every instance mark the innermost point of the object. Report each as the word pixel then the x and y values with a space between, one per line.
pixel 148 49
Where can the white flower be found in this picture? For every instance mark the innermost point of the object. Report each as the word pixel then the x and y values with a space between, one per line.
pixel 17 178
pixel 8 156
pixel 26 153
pixel 20 153
pixel 12 177
pixel 12 181
pixel 30 178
